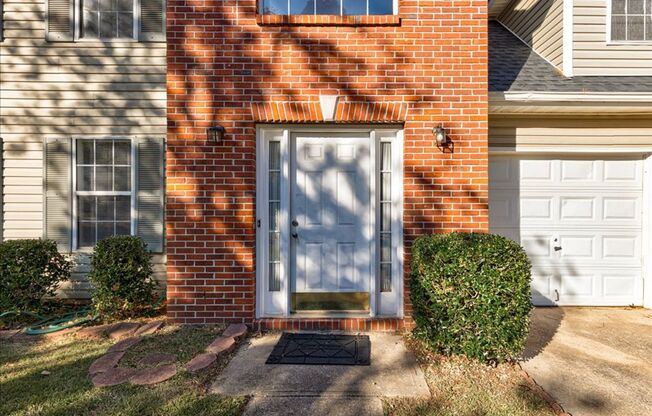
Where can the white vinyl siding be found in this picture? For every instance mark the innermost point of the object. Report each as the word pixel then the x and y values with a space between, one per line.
pixel 66 89
pixel 539 23
pixel 594 54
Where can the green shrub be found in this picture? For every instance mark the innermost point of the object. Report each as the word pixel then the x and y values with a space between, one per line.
pixel 471 294
pixel 29 271
pixel 121 277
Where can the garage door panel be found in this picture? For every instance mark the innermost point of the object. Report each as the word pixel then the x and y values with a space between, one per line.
pixel 579 220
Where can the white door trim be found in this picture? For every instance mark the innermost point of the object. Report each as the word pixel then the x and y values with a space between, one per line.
pixel 277 304
pixel 647 231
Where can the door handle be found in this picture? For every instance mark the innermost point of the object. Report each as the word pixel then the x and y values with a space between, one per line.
pixel 295 235
pixel 557 248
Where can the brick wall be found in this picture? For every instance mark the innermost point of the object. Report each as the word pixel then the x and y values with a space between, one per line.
pixel 221 59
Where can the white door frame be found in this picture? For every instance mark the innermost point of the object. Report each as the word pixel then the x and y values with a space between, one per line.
pixel 645 153
pixel 278 303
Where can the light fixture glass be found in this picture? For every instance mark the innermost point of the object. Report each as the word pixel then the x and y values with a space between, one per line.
pixel 440 135
pixel 215 133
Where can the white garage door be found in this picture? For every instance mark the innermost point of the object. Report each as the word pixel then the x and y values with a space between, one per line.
pixel 580 221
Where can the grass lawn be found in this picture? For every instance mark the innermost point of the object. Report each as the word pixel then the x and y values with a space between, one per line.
pixel 67 389
pixel 465 387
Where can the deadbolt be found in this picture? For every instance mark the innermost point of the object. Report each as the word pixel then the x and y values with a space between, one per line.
pixel 295 223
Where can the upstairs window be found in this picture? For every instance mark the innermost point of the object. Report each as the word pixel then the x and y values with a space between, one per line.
pixel 329 7
pixel 631 20
pixel 108 19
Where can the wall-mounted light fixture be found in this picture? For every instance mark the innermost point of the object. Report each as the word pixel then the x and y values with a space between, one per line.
pixel 215 134
pixel 440 136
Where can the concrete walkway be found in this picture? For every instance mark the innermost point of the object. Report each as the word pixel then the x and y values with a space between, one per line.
pixel 321 389
pixel 593 361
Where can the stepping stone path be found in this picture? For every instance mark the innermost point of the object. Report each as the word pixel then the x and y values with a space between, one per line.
pixel 200 362
pixel 93 332
pixel 149 328
pixel 105 371
pixel 106 362
pixel 113 377
pixel 153 375
pixel 122 330
pixel 157 358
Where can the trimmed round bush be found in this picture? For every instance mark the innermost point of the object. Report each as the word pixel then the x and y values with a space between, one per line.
pixel 471 294
pixel 29 271
pixel 121 277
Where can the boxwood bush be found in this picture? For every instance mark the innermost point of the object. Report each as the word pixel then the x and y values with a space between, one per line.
pixel 471 294
pixel 29 271
pixel 121 277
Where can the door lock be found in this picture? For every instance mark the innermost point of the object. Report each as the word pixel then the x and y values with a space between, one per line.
pixel 295 223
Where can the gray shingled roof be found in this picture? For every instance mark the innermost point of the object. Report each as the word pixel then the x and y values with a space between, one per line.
pixel 513 66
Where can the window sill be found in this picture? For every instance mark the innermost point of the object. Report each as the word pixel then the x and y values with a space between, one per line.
pixel 312 20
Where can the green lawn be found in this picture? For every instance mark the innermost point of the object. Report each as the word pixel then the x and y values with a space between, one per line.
pixel 67 390
pixel 464 387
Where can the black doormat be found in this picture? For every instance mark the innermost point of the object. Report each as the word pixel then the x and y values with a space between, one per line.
pixel 323 349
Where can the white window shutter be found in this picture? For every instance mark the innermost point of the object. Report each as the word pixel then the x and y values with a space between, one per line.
pixel 150 192
pixel 58 191
pixel 59 20
pixel 152 20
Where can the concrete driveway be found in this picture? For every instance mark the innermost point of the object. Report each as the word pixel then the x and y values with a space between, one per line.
pixel 593 361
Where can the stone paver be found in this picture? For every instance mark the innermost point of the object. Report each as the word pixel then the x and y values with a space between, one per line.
pixel 320 389
pixel 113 377
pixel 221 345
pixel 235 331
pixel 157 358
pixel 125 344
pixel 153 375
pixel 106 362
pixel 122 330
pixel 149 328
pixel 593 361
pixel 93 332
pixel 200 362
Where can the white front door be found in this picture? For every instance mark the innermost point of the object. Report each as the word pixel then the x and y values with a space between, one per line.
pixel 580 221
pixel 331 213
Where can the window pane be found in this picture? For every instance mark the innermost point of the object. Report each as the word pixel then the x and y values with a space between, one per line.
pixel 274 247
pixel 648 27
pixel 108 25
pixel 91 5
pixel 123 208
pixel 385 247
pixel 105 208
pixel 328 7
pixel 274 155
pixel 635 28
pixel 86 234
pixel 385 277
pixel 104 152
pixel 85 152
pixel 122 228
pixel 107 5
pixel 386 156
pixel 274 277
pixel 355 7
pixel 86 208
pixel 122 152
pixel 125 25
pixel 386 187
pixel 90 28
pixel 125 5
pixel 274 186
pixel 275 7
pixel 274 213
pixel 103 178
pixel 85 178
pixel 380 7
pixel 104 229
pixel 122 179
pixel 618 7
pixel 618 28
pixel 634 6
pixel 386 217
pixel 302 6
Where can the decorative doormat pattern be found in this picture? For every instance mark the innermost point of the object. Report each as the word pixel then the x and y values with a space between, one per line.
pixel 321 349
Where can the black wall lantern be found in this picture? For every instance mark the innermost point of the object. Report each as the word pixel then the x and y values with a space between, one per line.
pixel 216 133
